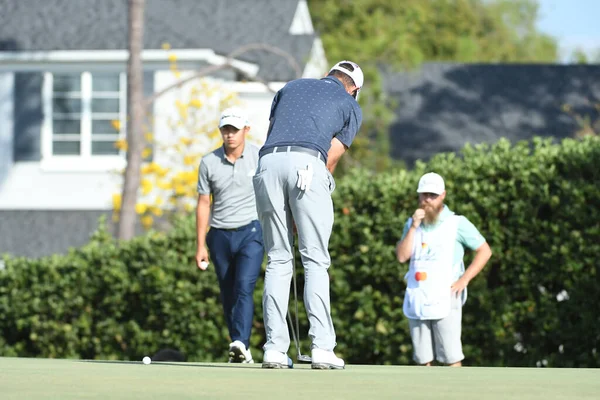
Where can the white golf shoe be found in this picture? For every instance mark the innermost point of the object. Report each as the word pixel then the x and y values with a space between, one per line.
pixel 323 359
pixel 239 354
pixel 276 360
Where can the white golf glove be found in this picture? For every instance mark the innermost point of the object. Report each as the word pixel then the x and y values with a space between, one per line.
pixel 305 178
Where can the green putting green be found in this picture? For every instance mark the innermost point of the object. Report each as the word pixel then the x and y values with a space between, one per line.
pixel 29 378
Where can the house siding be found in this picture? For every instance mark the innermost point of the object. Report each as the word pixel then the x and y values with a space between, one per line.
pixel 29 113
pixel 148 83
pixel 28 116
pixel 28 183
pixel 6 124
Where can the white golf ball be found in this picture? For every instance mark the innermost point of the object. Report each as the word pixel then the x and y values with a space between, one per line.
pixel 203 264
pixel 146 360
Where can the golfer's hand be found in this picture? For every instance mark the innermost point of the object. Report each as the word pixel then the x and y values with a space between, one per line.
pixel 458 286
pixel 201 255
pixel 417 217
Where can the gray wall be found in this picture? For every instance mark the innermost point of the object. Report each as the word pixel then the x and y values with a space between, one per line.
pixel 40 233
pixel 6 124
pixel 37 233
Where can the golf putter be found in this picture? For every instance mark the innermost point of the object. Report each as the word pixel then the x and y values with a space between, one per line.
pixel 296 333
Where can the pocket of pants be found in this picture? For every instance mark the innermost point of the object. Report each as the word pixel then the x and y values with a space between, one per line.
pixel 259 233
pixel 257 177
pixel 260 169
pixel 261 193
pixel 208 238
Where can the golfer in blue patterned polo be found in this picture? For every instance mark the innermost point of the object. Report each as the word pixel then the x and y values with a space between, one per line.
pixel 312 123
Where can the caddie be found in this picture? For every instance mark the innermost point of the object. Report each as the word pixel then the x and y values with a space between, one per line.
pixel 433 240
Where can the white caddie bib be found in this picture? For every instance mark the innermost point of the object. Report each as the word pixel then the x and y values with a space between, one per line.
pixel 430 274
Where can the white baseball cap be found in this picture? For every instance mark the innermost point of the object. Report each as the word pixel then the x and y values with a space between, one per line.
pixel 356 75
pixel 431 183
pixel 234 116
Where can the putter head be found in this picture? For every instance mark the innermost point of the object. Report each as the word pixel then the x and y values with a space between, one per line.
pixel 304 358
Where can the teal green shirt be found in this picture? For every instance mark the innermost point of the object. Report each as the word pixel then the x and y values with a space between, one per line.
pixel 467 235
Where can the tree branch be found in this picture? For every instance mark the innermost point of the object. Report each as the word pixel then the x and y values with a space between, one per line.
pixel 229 64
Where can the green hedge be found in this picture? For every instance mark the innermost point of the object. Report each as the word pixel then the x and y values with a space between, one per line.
pixel 112 302
pixel 538 205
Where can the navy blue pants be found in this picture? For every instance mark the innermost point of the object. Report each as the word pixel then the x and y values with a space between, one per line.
pixel 237 255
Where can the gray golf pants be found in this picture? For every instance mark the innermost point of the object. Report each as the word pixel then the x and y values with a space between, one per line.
pixel 279 203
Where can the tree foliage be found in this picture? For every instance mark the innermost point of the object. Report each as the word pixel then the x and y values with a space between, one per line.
pixel 168 180
pixel 384 35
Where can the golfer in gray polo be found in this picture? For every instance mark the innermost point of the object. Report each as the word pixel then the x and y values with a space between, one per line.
pixel 235 236
pixel 312 123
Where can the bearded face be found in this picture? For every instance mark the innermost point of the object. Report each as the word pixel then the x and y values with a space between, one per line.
pixel 432 204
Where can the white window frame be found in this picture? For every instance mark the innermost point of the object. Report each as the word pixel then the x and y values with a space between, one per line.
pixel 85 161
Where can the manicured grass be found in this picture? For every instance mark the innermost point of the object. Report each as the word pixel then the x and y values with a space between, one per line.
pixel 27 378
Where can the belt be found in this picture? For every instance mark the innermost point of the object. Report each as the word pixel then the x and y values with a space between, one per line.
pixel 295 149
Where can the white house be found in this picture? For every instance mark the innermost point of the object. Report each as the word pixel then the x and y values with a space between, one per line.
pixel 62 80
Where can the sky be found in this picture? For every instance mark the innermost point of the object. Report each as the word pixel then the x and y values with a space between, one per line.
pixel 575 23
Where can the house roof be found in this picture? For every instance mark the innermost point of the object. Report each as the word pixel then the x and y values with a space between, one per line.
pixel 442 106
pixel 221 25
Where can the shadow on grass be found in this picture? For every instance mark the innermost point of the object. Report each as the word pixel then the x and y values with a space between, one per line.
pixel 183 364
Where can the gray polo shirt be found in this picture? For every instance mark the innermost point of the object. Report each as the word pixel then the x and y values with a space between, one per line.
pixel 233 204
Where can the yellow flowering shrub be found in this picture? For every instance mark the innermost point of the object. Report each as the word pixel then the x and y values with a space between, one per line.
pixel 169 180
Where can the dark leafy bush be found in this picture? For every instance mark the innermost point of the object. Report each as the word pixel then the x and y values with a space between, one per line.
pixel 538 205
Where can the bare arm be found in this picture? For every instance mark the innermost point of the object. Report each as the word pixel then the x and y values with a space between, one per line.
pixel 405 247
pixel 335 153
pixel 202 216
pixel 482 256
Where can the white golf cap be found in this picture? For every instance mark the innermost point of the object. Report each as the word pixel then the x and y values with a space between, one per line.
pixel 234 116
pixel 356 74
pixel 431 183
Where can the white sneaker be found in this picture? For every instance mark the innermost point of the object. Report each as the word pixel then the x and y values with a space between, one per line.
pixel 323 359
pixel 239 354
pixel 276 359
